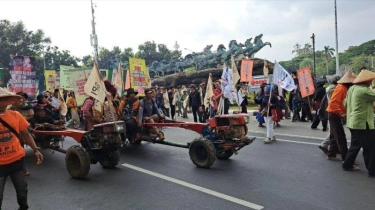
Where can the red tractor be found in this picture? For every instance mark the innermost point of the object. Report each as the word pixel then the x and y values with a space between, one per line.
pixel 221 137
pixel 101 144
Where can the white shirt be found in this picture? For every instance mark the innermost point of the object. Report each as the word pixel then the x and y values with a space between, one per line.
pixel 56 102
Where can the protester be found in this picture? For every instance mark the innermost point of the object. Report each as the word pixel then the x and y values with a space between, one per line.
pixel 149 112
pixel 177 101
pixel 43 102
pixel 323 115
pixel 185 103
pixel 244 93
pixel 72 104
pixel 194 101
pixel 171 104
pixel 318 97
pixel 360 121
pixel 12 162
pixel 296 108
pixel 128 112
pixel 268 104
pixel 87 113
pixel 257 100
pixel 336 113
pixel 56 104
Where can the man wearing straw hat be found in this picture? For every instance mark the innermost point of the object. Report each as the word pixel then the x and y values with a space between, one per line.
pixel 336 112
pixel 13 130
pixel 360 121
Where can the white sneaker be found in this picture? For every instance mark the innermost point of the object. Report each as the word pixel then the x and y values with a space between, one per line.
pixel 273 138
pixel 267 140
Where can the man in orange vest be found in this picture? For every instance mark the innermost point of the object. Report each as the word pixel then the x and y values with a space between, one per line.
pixel 13 130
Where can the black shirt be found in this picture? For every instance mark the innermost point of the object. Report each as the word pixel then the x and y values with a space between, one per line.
pixel 40 120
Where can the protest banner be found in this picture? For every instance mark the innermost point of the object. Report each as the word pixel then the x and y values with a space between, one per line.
pixel 305 82
pixel 246 70
pixel 23 75
pixel 65 78
pixel 95 86
pixel 139 77
pixel 50 80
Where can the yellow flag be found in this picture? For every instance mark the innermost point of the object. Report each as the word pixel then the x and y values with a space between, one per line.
pixel 235 74
pixel 117 81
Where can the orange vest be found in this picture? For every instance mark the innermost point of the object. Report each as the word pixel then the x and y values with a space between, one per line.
pixel 10 146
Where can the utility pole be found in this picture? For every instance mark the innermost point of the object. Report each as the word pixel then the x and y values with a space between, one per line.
pixel 337 42
pixel 93 36
pixel 313 41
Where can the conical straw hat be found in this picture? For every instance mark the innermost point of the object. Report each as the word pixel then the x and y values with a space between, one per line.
pixel 348 77
pixel 7 97
pixel 364 76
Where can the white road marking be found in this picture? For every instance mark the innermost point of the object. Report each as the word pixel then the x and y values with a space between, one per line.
pixel 196 187
pixel 290 141
pixel 291 135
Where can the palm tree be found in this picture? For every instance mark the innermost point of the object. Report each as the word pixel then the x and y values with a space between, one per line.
pixel 327 55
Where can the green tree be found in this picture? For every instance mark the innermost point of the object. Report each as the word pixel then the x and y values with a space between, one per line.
pixel 327 55
pixel 306 62
pixel 55 57
pixel 358 62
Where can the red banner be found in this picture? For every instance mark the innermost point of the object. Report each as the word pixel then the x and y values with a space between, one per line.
pixel 247 70
pixel 23 75
pixel 305 82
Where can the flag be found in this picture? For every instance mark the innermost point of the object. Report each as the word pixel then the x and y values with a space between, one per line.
pixel 282 78
pixel 265 68
pixel 226 82
pixel 127 80
pixel 235 76
pixel 117 80
pixel 95 86
pixel 209 93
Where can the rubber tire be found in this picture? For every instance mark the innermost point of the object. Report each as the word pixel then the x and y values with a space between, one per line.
pixel 77 162
pixel 131 140
pixel 202 147
pixel 224 155
pixel 112 161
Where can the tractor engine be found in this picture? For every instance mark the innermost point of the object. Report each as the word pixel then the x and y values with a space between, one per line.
pixel 229 127
pixel 107 135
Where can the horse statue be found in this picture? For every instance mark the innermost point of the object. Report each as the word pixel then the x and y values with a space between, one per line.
pixel 244 48
pixel 185 63
pixel 153 69
pixel 233 47
pixel 258 44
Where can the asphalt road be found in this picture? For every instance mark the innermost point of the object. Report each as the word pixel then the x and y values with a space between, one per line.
pixel 291 173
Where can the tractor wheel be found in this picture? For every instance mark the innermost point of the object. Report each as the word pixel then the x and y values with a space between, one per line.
pixel 111 161
pixel 224 155
pixel 202 152
pixel 77 162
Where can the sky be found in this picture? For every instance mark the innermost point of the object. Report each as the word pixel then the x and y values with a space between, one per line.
pixel 197 23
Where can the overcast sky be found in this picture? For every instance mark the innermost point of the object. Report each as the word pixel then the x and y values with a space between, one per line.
pixel 195 24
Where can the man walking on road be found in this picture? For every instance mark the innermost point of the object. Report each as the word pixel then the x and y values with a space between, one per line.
pixel 13 129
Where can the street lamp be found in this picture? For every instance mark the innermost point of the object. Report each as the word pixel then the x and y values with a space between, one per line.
pixel 313 41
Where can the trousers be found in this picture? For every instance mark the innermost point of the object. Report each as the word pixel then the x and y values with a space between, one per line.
pixel 15 171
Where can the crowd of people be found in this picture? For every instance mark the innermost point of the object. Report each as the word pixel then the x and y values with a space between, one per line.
pixel 346 100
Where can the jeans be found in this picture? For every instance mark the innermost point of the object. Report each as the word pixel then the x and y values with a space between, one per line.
pixel 15 171
pixel 74 121
pixel 195 110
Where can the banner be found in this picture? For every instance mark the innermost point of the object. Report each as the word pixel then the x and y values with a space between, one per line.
pixel 247 70
pixel 50 80
pixel 95 86
pixel 127 80
pixel 305 82
pixel 282 78
pixel 23 75
pixel 139 77
pixel 79 78
pixel 65 78
pixel 57 79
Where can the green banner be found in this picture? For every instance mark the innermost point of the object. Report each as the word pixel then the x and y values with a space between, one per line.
pixel 66 78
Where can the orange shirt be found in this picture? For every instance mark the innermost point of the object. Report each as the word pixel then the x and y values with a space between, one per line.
pixel 10 146
pixel 134 108
pixel 72 103
pixel 336 102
